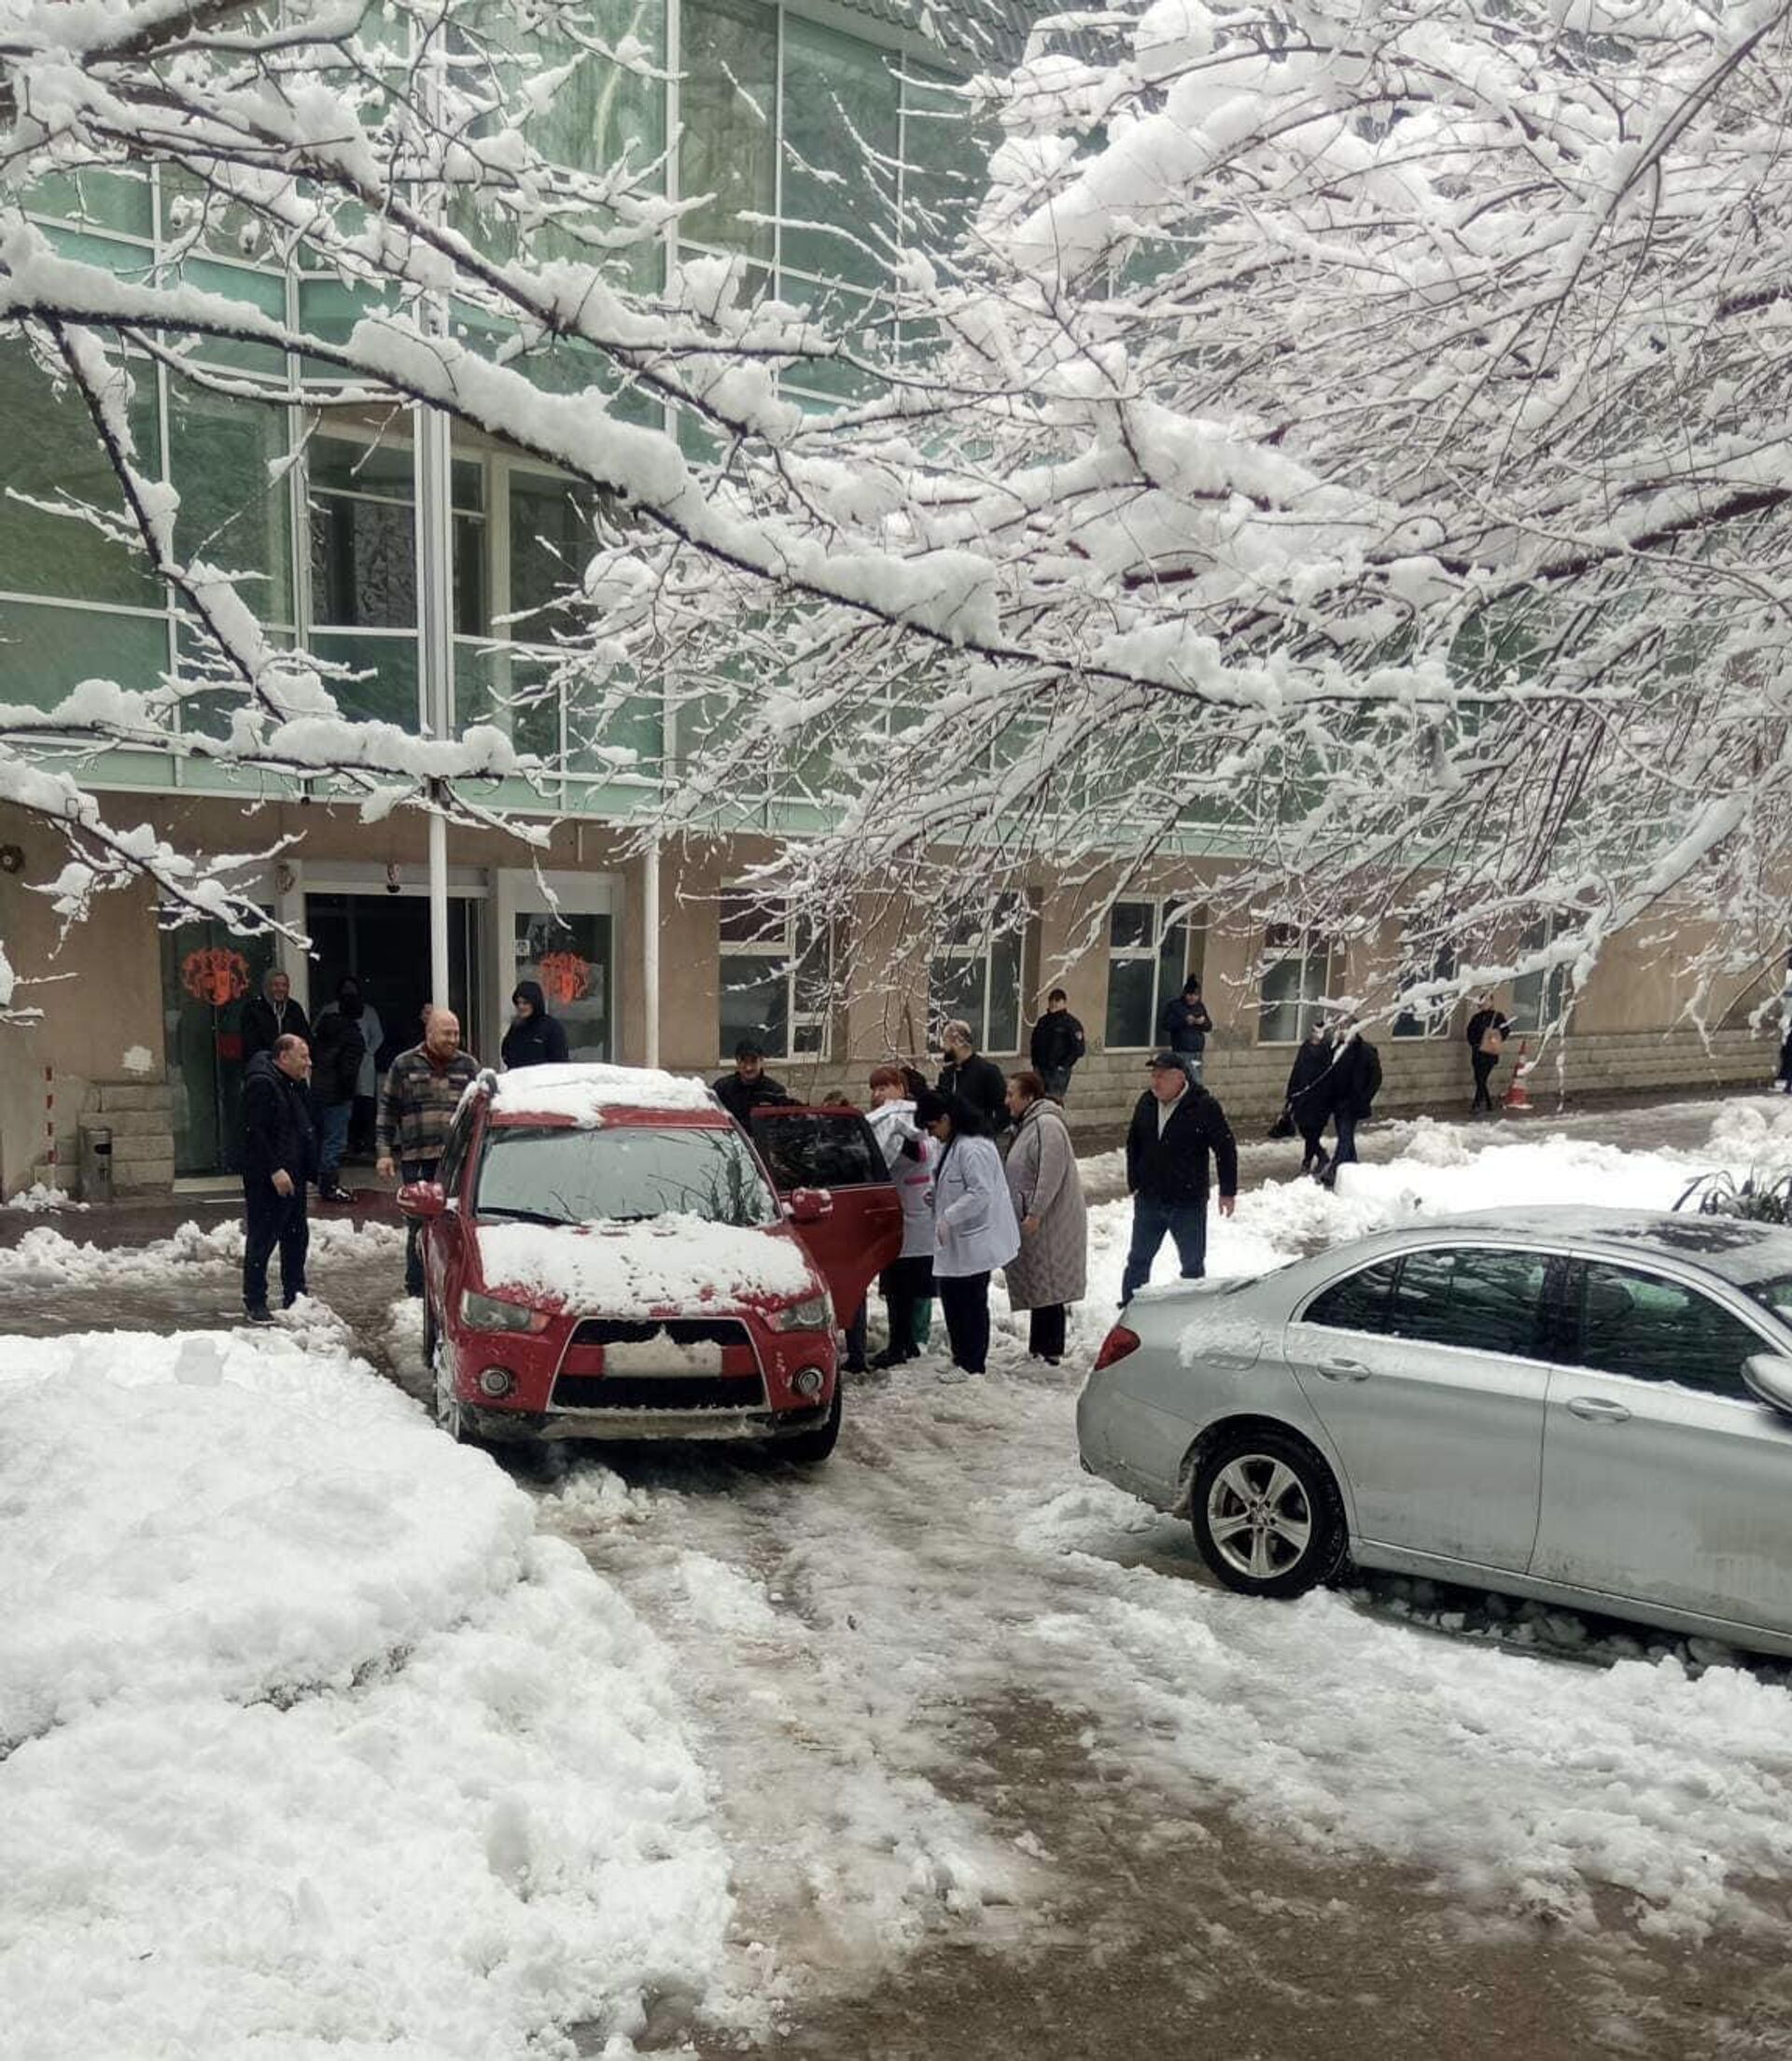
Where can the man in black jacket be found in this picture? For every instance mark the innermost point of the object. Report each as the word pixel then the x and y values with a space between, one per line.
pixel 1355 1082
pixel 1057 1043
pixel 271 1016
pixel 1175 1127
pixel 1183 1024
pixel 974 1079
pixel 748 1087
pixel 535 1038
pixel 279 1157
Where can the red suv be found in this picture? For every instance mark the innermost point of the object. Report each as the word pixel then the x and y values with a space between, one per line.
pixel 607 1256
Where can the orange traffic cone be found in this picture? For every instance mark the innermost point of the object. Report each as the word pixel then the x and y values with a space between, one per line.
pixel 1516 1103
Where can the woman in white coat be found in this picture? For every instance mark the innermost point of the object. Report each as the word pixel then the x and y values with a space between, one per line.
pixel 907 1282
pixel 975 1230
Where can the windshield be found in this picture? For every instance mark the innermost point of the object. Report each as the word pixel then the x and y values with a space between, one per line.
pixel 620 1174
pixel 1777 1295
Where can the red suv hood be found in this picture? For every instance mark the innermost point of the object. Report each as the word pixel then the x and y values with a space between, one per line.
pixel 663 1265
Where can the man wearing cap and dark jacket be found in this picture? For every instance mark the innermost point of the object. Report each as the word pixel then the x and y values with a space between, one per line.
pixel 279 1157
pixel 1176 1126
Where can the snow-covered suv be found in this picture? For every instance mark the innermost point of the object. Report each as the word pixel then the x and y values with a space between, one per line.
pixel 606 1256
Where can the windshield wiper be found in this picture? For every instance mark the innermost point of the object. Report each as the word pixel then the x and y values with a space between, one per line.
pixel 520 1216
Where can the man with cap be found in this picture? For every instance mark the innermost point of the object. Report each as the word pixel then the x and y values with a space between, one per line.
pixel 1175 1127
pixel 1182 1026
pixel 748 1087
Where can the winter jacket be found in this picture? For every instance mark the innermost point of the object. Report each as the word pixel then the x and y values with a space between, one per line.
pixel 1183 1024
pixel 278 1135
pixel 1481 1022
pixel 1058 1041
pixel 908 1153
pixel 261 1024
pixel 1309 1086
pixel 540 1040
pixel 1171 1168
pixel 338 1048
pixel 741 1098
pixel 1053 1265
pixel 1356 1078
pixel 419 1100
pixel 974 1221
pixel 982 1084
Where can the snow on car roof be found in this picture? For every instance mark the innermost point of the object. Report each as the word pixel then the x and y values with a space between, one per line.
pixel 677 1261
pixel 583 1093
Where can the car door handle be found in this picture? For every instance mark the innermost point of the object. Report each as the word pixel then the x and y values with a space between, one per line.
pixel 1344 1370
pixel 1597 1410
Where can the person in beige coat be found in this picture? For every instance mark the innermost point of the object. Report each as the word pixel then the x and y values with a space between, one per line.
pixel 1052 1269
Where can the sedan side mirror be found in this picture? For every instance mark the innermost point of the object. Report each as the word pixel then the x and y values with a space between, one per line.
pixel 810 1205
pixel 422 1199
pixel 1770 1376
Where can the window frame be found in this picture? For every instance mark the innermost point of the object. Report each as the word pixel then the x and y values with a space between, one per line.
pixel 1295 943
pixel 795 971
pixel 1157 926
pixel 1011 915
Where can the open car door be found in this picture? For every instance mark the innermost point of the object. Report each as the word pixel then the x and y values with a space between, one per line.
pixel 835 1153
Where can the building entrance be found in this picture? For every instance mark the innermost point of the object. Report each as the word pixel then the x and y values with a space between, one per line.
pixel 207 974
pixel 384 940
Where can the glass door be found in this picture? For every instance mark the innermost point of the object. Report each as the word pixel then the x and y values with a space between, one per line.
pixel 570 949
pixel 207 974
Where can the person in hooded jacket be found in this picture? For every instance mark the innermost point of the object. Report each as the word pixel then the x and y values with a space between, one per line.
pixel 279 1157
pixel 338 1048
pixel 534 1037
pixel 1308 1100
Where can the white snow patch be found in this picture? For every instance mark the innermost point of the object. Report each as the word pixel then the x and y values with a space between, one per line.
pixel 675 1261
pixel 584 1093
pixel 41 1196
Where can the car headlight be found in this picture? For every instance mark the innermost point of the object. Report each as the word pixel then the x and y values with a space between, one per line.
pixel 816 1315
pixel 487 1313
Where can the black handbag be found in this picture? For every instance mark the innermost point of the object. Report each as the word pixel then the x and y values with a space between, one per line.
pixel 1283 1126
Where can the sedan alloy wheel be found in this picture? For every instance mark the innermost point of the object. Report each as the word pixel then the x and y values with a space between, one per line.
pixel 1265 1515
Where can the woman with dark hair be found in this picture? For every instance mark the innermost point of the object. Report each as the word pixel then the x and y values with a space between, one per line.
pixel 1051 1270
pixel 907 1282
pixel 973 1225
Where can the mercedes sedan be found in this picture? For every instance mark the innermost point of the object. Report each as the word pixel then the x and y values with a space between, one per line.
pixel 1589 1407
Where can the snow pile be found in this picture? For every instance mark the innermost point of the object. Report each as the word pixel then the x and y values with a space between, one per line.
pixel 315 1743
pixel 44 1258
pixel 41 1196
pixel 582 1094
pixel 677 1261
pixel 1747 1139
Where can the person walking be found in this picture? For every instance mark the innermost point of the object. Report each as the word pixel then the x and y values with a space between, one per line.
pixel 1175 1128
pixel 907 1285
pixel 1309 1098
pixel 1183 1026
pixel 1057 1044
pixel 339 1047
pixel 534 1037
pixel 748 1087
pixel 968 1074
pixel 271 1016
pixel 279 1157
pixel 1486 1032
pixel 423 1091
pixel 1355 1082
pixel 975 1230
pixel 1051 1270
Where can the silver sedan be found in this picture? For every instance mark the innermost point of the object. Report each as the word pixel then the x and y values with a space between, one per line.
pixel 1591 1407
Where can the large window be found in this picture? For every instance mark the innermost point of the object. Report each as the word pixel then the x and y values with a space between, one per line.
pixel 976 977
pixel 775 978
pixel 1148 961
pixel 1296 984
pixel 1540 1001
pixel 1433 1020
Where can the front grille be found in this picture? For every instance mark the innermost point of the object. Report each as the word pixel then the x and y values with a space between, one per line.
pixel 657 1392
pixel 681 1330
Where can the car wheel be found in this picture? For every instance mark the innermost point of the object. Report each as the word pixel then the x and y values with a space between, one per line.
pixel 1266 1515
pixel 808 1448
pixel 449 1412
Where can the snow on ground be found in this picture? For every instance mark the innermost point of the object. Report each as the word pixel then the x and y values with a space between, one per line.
pixel 44 1258
pixel 41 1196
pixel 311 1739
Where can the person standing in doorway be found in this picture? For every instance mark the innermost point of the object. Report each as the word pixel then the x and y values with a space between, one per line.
pixel 1355 1082
pixel 968 1074
pixel 279 1157
pixel 1487 1032
pixel 271 1016
pixel 423 1091
pixel 1057 1044
pixel 535 1038
pixel 975 1230
pixel 1183 1026
pixel 366 1083
pixel 1175 1128
pixel 1051 1270
pixel 338 1046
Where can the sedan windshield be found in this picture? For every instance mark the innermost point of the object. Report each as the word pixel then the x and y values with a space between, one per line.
pixel 1777 1294
pixel 621 1173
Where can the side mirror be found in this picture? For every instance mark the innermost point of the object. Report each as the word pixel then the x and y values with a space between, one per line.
pixel 810 1205
pixel 422 1199
pixel 1769 1375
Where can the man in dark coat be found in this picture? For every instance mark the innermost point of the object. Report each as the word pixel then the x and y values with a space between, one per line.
pixel 271 1015
pixel 1057 1043
pixel 1487 1032
pixel 1176 1126
pixel 974 1079
pixel 748 1087
pixel 1309 1098
pixel 1355 1082
pixel 1183 1024
pixel 338 1047
pixel 534 1037
pixel 279 1157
